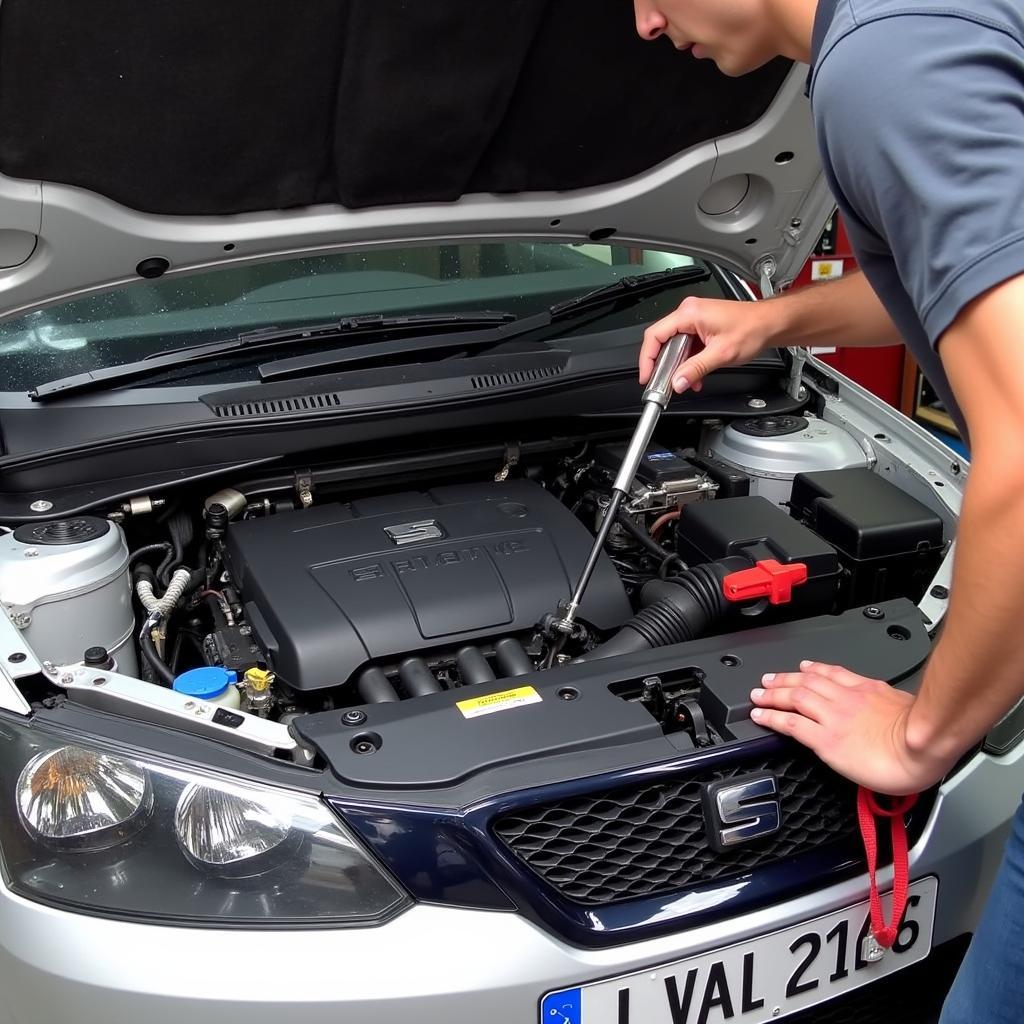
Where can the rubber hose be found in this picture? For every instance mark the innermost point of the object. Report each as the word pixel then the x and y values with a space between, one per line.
pixel 160 668
pixel 641 536
pixel 674 611
pixel 163 606
pixel 150 549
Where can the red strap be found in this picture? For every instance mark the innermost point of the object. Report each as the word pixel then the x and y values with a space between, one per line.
pixel 868 809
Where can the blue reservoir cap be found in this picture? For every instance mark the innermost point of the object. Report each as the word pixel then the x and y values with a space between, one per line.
pixel 205 683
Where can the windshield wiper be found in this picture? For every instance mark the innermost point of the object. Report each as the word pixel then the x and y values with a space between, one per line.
pixel 625 290
pixel 491 329
pixel 272 337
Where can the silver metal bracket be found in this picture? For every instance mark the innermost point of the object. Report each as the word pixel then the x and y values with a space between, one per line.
pixel 134 698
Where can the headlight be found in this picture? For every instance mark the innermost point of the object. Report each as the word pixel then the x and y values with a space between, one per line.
pixel 99 831
pixel 78 799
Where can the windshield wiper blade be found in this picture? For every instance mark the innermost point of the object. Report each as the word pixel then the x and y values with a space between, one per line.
pixel 634 286
pixel 626 289
pixel 494 329
pixel 351 327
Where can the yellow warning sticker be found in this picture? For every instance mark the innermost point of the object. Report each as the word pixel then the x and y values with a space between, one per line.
pixel 477 706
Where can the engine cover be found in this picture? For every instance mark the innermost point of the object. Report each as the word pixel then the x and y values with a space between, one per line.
pixel 333 587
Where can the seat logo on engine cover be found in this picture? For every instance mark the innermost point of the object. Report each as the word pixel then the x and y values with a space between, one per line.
pixel 414 533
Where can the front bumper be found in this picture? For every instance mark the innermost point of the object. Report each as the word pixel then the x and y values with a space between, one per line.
pixel 432 965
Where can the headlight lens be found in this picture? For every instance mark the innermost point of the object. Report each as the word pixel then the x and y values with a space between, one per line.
pixel 230 833
pixel 98 831
pixel 78 799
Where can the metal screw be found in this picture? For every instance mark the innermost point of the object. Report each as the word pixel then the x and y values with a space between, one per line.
pixel 67 679
pixel 22 620
pixel 568 693
pixel 941 593
pixel 48 667
pixel 99 681
pixel 31 552
pixel 41 506
pixel 17 657
pixel 796 222
pixel 189 705
pixel 872 612
pixel 364 747
pixel 354 717
pixel 757 403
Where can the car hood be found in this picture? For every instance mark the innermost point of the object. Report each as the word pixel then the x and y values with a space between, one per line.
pixel 169 137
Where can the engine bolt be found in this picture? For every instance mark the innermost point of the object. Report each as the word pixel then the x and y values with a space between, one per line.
pixel 757 403
pixel 354 717
pixel 940 593
pixel 568 693
pixel 872 612
pixel 364 747
pixel 41 506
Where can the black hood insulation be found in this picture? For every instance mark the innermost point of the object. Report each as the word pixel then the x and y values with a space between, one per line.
pixel 241 105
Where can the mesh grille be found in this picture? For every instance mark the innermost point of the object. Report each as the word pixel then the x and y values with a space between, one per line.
pixel 646 840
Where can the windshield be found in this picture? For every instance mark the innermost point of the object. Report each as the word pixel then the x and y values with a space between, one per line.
pixel 146 317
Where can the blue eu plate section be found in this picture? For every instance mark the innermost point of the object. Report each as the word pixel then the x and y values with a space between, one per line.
pixel 561 1007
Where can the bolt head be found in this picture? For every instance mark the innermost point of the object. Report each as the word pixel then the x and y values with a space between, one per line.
pixel 354 717
pixel 31 552
pixel 41 506
pixel 67 679
pixel 873 612
pixel 757 403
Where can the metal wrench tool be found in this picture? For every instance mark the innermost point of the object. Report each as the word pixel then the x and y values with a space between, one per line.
pixel 655 400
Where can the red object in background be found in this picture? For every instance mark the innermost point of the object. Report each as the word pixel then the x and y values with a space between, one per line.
pixel 880 370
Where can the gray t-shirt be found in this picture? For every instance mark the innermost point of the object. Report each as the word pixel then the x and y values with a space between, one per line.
pixel 919 110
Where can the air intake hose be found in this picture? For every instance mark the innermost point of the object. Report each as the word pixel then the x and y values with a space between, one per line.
pixel 675 610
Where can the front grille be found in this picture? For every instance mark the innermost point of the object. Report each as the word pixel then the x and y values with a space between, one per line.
pixel 650 839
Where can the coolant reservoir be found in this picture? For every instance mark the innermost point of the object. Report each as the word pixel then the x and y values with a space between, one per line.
pixel 65 585
pixel 771 450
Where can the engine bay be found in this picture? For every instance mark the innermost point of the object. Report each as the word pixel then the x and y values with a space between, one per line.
pixel 342 596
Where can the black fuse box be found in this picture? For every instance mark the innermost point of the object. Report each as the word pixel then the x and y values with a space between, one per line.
pixel 658 469
pixel 759 530
pixel 889 543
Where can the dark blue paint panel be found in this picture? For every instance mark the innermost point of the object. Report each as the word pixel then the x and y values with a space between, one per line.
pixel 454 859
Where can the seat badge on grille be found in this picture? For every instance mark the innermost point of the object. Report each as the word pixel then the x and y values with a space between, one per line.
pixel 741 809
pixel 414 533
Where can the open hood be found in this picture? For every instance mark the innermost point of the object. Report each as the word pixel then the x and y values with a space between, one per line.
pixel 198 133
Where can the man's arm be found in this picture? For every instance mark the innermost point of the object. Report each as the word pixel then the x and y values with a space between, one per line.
pixel 842 313
pixel 883 738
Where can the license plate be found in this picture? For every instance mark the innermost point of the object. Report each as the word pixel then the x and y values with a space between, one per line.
pixel 760 980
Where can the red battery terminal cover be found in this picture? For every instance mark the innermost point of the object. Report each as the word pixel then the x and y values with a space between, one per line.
pixel 768 579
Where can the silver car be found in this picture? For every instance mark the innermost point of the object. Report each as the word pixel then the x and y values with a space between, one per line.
pixel 318 342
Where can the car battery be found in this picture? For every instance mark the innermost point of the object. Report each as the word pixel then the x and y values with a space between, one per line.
pixel 890 545
pixel 758 530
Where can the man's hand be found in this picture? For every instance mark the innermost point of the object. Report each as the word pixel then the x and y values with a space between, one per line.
pixel 854 724
pixel 730 333
pixel 725 333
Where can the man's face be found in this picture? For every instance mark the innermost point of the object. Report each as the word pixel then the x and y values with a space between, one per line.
pixel 735 34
